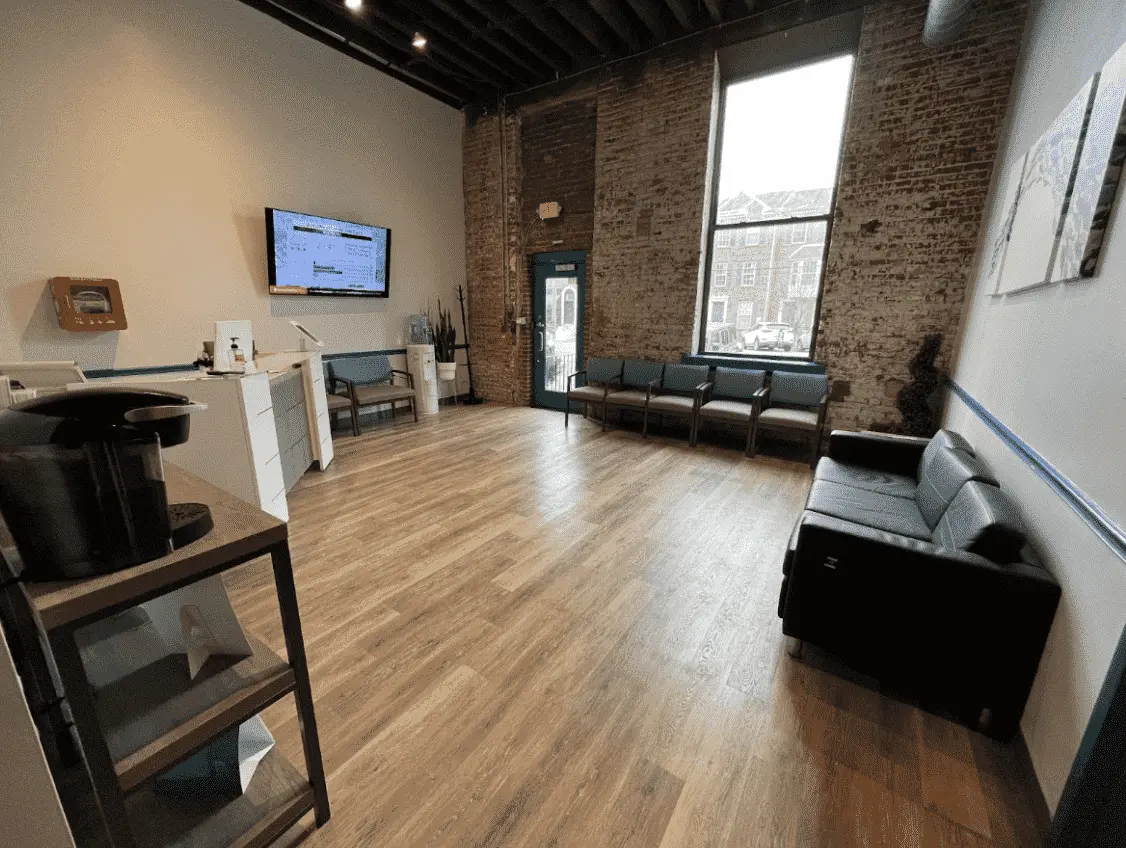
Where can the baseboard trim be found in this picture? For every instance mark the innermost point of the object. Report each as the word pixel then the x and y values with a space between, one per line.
pixel 1100 523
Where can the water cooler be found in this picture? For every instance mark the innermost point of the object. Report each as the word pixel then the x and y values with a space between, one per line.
pixel 420 364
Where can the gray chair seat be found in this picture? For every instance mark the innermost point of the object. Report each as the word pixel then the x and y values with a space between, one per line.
pixel 587 394
pixel 672 403
pixel 368 395
pixel 796 419
pixel 338 402
pixel 730 410
pixel 872 509
pixel 627 397
pixel 869 479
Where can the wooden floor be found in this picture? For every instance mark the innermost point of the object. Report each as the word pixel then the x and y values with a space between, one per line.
pixel 521 635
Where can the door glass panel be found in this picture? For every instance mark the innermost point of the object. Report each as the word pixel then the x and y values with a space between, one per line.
pixel 561 298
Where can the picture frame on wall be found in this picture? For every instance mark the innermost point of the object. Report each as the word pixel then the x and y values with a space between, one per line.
pixel 1098 177
pixel 1000 245
pixel 1044 195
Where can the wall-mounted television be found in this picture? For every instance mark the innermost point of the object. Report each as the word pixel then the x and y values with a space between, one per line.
pixel 310 255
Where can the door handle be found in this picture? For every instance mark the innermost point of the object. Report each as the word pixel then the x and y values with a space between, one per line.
pixel 539 341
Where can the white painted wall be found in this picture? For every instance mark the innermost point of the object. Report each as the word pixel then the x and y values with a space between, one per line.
pixel 141 141
pixel 1051 365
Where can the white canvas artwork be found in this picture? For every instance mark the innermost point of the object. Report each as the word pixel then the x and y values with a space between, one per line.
pixel 1000 245
pixel 1043 198
pixel 1098 176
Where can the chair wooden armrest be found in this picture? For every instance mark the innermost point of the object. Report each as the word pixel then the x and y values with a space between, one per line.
pixel 571 377
pixel 759 397
pixel 702 391
pixel 349 386
pixel 652 384
pixel 407 374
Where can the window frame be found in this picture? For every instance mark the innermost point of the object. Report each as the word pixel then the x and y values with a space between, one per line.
pixel 827 218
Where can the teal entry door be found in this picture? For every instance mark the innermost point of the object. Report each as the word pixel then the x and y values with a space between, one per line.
pixel 557 331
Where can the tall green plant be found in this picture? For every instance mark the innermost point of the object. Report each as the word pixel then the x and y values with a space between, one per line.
pixel 443 333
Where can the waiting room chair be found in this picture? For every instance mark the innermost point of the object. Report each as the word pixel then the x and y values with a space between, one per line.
pixel 599 371
pixel 734 395
pixel 369 381
pixel 339 402
pixel 796 402
pixel 677 394
pixel 632 391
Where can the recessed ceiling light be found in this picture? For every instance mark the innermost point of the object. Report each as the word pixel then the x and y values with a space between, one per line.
pixel 354 5
pixel 419 41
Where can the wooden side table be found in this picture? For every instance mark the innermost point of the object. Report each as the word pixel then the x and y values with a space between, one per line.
pixel 146 723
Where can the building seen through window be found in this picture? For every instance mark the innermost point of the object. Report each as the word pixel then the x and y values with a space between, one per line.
pixel 771 222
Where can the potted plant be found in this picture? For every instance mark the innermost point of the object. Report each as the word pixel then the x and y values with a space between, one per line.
pixel 444 337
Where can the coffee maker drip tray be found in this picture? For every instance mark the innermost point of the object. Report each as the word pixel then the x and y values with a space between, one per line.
pixel 190 521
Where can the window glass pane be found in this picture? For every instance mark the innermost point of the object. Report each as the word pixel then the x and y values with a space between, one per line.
pixel 776 288
pixel 781 142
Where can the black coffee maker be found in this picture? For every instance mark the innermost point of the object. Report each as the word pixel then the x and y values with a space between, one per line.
pixel 82 483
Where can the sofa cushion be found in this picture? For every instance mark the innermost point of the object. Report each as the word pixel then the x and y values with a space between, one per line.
pixel 941 440
pixel 602 370
pixel 797 419
pixel 626 397
pixel 672 403
pixel 798 389
pixel 684 378
pixel 869 479
pixel 587 394
pixel 729 410
pixel 741 383
pixel 943 475
pixel 637 374
pixel 982 520
pixel 872 509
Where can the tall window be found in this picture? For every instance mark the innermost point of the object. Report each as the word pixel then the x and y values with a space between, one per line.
pixel 746 313
pixel 774 200
pixel 749 274
pixel 569 301
pixel 719 275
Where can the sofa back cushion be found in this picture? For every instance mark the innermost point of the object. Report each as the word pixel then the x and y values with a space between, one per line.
pixel 981 519
pixel 740 383
pixel 684 378
pixel 362 370
pixel 942 439
pixel 795 389
pixel 601 370
pixel 636 373
pixel 943 476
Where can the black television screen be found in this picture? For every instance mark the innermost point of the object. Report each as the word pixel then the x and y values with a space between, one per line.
pixel 311 255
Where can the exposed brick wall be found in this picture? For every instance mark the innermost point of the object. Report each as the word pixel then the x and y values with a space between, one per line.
pixel 916 166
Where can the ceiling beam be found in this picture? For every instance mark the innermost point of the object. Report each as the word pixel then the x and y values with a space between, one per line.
pixel 314 24
pixel 448 38
pixel 516 29
pixel 715 9
pixel 588 24
pixel 682 11
pixel 619 22
pixel 650 13
pixel 765 21
pixel 581 55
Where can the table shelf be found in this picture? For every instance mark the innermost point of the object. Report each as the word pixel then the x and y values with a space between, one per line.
pixel 157 716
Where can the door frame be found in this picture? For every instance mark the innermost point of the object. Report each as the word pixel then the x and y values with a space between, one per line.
pixel 543 266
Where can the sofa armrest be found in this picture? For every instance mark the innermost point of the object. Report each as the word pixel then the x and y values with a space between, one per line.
pixel 956 625
pixel 879 451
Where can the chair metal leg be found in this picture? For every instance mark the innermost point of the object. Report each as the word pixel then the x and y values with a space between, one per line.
pixel 645 423
pixel 355 418
pixel 566 412
pixel 605 416
pixel 754 439
pixel 414 409
pixel 586 410
pixel 750 437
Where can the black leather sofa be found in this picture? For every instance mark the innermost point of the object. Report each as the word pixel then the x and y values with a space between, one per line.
pixel 910 565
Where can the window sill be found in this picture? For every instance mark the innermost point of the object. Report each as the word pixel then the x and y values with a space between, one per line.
pixel 762 363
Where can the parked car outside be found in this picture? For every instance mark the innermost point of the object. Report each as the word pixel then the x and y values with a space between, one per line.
pixel 770 337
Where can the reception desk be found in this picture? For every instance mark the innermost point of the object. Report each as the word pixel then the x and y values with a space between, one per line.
pixel 259 433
